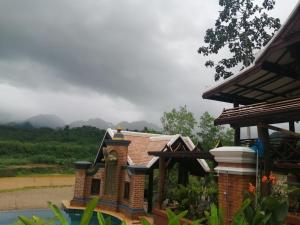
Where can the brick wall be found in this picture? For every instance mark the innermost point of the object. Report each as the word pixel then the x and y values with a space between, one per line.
pixel 230 189
pixel 137 186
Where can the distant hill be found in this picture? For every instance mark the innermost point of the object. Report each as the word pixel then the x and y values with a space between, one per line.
pixel 102 124
pixel 95 122
pixel 45 120
pixel 53 121
pixel 138 125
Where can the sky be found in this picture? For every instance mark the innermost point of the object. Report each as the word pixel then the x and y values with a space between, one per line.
pixel 119 60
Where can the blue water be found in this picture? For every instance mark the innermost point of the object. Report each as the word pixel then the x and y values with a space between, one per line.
pixel 73 216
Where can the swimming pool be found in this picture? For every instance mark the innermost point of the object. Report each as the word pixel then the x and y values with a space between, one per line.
pixel 73 216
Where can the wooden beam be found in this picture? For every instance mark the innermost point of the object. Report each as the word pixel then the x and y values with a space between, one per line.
pixel 238 99
pixel 150 191
pixel 263 135
pixel 162 178
pixel 237 130
pixel 283 71
pixel 183 174
pixel 260 90
pixel 292 126
pixel 280 130
pixel 183 155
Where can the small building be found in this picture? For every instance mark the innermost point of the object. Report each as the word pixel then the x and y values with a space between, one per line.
pixel 123 164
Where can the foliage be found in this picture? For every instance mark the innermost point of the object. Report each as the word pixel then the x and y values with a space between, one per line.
pixel 195 199
pixel 243 26
pixel 85 219
pixel 173 219
pixel 215 216
pixel 20 146
pixel 179 121
pixel 268 211
pixel 210 134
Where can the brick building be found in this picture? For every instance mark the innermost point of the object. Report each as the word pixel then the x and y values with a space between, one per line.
pixel 121 166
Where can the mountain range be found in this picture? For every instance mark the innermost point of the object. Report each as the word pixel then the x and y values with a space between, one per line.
pixel 53 121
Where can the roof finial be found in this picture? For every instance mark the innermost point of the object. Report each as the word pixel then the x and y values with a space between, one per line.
pixel 118 135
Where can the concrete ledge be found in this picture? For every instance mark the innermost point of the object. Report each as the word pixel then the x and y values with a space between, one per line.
pixel 234 154
pixel 235 170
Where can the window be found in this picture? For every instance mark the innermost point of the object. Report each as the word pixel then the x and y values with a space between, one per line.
pixel 126 190
pixel 95 188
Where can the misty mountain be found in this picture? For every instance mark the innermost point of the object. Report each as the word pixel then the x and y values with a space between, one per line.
pixel 53 121
pixel 45 120
pixel 138 125
pixel 95 122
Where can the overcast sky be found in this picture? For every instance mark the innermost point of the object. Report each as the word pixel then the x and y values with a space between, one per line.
pixel 113 59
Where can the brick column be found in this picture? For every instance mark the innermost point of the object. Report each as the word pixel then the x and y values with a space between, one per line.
pixel 137 191
pixel 236 169
pixel 80 181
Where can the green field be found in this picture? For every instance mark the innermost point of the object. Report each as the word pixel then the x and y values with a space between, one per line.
pixel 25 151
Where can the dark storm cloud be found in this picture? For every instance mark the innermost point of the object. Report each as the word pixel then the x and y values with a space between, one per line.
pixel 114 47
pixel 136 55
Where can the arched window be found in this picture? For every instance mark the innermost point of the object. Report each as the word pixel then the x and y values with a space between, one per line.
pixel 111 160
pixel 95 187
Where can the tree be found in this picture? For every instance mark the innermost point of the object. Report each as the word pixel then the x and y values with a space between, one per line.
pixel 243 26
pixel 210 134
pixel 179 122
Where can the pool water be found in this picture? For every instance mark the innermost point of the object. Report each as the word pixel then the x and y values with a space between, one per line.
pixel 73 216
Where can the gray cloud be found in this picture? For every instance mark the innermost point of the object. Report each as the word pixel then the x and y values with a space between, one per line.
pixel 142 53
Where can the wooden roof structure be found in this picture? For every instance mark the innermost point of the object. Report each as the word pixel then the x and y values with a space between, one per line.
pixel 274 75
pixel 269 92
pixel 269 113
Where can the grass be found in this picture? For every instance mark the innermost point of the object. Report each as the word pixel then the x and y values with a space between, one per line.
pixel 16 172
pixel 34 187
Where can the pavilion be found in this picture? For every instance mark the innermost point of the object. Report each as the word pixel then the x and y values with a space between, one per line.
pixel 268 92
pixel 125 160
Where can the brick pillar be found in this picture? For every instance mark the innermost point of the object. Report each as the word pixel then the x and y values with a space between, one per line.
pixel 236 169
pixel 119 147
pixel 80 182
pixel 137 191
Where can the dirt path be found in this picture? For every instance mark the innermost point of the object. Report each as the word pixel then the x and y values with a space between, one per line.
pixel 35 192
pixel 34 198
pixel 14 183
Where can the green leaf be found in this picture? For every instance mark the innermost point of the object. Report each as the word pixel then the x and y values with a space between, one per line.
pixel 100 218
pixel 58 214
pixel 25 220
pixel 38 220
pixel 145 222
pixel 88 212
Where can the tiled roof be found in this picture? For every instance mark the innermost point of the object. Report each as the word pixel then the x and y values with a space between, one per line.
pixel 142 143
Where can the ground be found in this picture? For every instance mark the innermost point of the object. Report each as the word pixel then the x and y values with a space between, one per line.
pixel 34 192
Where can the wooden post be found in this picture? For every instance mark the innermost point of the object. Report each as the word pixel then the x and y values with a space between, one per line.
pixel 183 174
pixel 237 131
pixel 150 191
pixel 162 177
pixel 263 135
pixel 292 126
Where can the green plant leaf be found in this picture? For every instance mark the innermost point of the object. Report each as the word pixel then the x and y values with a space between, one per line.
pixel 25 220
pixel 100 218
pixel 145 222
pixel 58 214
pixel 38 221
pixel 88 212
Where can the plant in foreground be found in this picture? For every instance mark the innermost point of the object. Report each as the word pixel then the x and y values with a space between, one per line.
pixel 85 219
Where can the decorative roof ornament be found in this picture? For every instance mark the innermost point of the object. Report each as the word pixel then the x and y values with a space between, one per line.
pixel 118 135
